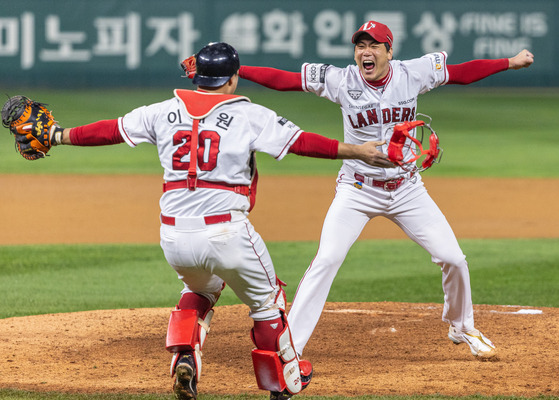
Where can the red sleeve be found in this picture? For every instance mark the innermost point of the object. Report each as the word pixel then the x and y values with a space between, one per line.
pixel 475 70
pixel 314 145
pixel 272 78
pixel 96 134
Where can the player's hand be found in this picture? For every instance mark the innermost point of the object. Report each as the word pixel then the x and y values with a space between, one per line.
pixel 372 156
pixel 522 60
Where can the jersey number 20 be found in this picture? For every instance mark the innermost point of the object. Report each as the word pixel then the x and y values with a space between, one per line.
pixel 208 149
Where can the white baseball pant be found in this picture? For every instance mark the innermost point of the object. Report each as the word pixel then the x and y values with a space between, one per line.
pixel 413 210
pixel 204 256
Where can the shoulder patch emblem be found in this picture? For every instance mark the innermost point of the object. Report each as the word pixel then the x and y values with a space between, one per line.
pixel 323 72
pixel 355 94
pixel 313 74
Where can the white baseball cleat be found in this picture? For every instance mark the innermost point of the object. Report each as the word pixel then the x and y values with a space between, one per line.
pixel 479 345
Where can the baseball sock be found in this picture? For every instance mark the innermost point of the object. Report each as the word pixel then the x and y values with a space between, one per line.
pixel 265 333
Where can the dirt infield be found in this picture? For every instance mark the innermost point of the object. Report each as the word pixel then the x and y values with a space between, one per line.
pixel 357 348
pixel 125 209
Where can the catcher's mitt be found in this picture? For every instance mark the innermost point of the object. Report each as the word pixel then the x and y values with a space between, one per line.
pixel 32 125
pixel 189 66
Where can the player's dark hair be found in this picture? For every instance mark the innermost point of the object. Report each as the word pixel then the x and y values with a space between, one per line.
pixel 374 41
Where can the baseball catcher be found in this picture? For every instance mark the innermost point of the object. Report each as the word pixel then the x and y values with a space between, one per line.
pixel 33 126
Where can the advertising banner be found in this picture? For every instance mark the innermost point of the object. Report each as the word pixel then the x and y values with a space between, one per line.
pixel 68 43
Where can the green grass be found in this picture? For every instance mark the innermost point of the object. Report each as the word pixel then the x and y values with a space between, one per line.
pixel 58 278
pixel 494 132
pixel 52 279
pixel 7 394
pixel 484 132
pixel 22 395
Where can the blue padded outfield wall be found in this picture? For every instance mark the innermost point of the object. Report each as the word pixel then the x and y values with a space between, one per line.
pixel 69 43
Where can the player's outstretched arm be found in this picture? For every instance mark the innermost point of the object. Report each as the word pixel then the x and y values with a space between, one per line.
pixel 522 60
pixel 272 78
pixel 475 70
pixel 100 133
pixel 314 145
pixel 366 152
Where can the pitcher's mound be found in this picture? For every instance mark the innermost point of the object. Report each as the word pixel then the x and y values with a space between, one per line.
pixel 357 349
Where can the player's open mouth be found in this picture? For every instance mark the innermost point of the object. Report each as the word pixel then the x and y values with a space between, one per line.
pixel 368 65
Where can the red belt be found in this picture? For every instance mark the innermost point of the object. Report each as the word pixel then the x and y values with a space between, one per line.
pixel 210 219
pixel 184 184
pixel 389 185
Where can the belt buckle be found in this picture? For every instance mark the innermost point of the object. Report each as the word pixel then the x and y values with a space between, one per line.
pixel 391 185
pixel 191 182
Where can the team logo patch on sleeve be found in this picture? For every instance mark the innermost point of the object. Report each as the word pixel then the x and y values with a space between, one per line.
pixel 437 61
pixel 312 73
pixel 285 122
pixel 323 68
pixel 316 73
pixel 355 94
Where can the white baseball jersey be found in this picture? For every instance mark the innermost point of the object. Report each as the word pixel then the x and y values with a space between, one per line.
pixel 228 137
pixel 206 254
pixel 370 113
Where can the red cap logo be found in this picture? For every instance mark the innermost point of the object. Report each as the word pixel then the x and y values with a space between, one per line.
pixel 380 32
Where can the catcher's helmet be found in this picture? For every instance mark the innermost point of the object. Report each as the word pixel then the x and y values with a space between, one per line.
pixel 215 64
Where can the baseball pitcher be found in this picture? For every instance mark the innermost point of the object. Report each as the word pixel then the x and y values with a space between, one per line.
pixel 378 100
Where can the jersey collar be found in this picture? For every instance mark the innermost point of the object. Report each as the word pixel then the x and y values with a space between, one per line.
pixel 381 83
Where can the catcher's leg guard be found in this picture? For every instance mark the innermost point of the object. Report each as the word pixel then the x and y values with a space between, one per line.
pixel 306 376
pixel 187 333
pixel 277 370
